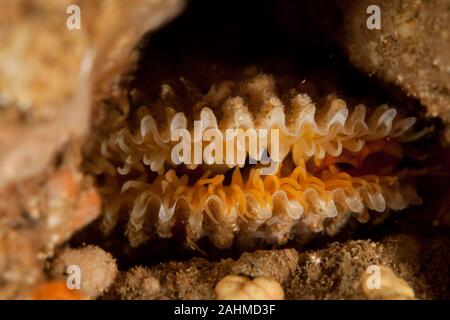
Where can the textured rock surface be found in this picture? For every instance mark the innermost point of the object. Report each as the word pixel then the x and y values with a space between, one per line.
pixel 48 72
pixel 97 268
pixel 330 273
pixel 411 50
pixel 47 76
pixel 197 278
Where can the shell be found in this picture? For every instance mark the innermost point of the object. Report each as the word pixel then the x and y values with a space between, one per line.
pixel 307 195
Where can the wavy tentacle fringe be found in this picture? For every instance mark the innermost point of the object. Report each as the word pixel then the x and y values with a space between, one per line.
pixel 308 134
pixel 275 207
pixel 267 207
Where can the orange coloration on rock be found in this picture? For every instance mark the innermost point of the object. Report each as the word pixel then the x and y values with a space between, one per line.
pixel 87 209
pixel 55 290
pixel 64 181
